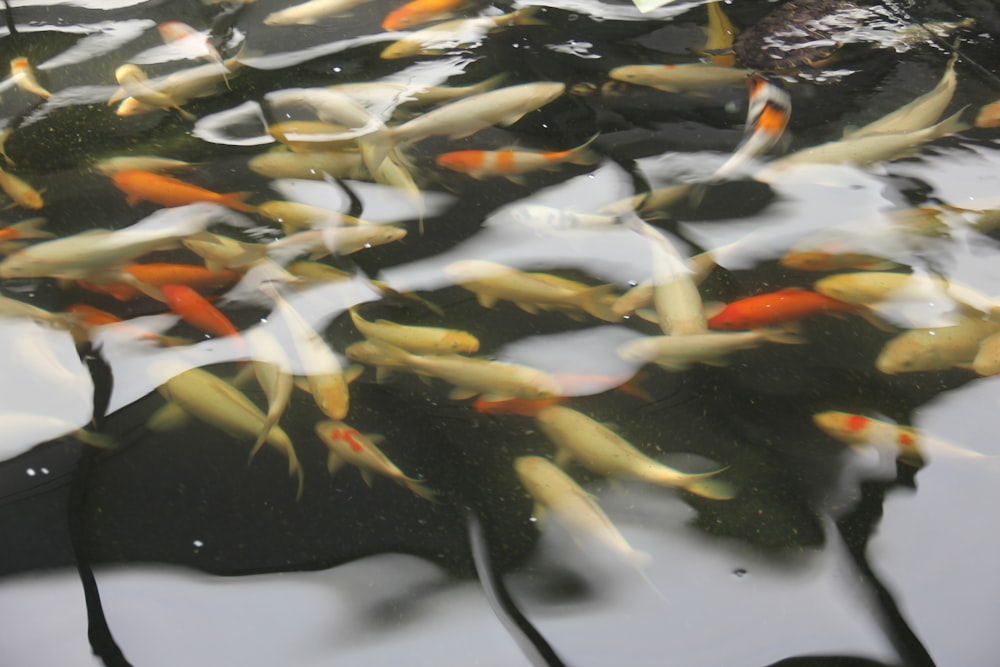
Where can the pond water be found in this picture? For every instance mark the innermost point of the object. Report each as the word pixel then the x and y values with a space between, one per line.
pixel 792 548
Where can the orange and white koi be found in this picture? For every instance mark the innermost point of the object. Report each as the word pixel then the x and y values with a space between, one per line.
pixel 24 78
pixel 910 445
pixel 20 191
pixel 531 292
pixel 195 309
pixel 218 403
pixel 456 33
pixel 579 438
pixel 419 340
pixel 767 117
pixel 512 163
pixel 170 192
pixel 685 78
pixel 310 12
pixel 419 12
pixel 347 445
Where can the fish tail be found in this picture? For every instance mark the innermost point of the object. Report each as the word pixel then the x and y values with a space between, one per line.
pixel 599 301
pixel 527 16
pixel 781 336
pixel 375 147
pixel 951 125
pixel 99 440
pixel 713 489
pixel 31 229
pixel 235 201
pixel 258 444
pixel 417 487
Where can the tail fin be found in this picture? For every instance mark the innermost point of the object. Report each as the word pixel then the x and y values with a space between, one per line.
pixel 713 489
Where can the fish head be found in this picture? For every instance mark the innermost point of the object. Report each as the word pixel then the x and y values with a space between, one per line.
pixel 907 353
pixel 843 426
pixel 627 73
pixel 459 342
pixel 530 469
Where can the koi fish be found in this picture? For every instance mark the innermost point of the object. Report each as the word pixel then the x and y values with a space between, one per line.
pixel 514 406
pixel 988 115
pixel 315 165
pixel 328 241
pixel 194 309
pixel 20 191
pixel 935 349
pixel 272 369
pixel 456 33
pixel 189 42
pixel 158 275
pixel 419 340
pixel 113 165
pixel 91 318
pixel 579 438
pixel 987 361
pixel 219 404
pixel 872 288
pixel 316 272
pixel 170 192
pixel 531 292
pixel 511 163
pixel 556 492
pixel 677 353
pixel 11 235
pixel 176 89
pixel 311 12
pixel 135 84
pixel 767 117
pixel 347 445
pixel 858 431
pixel 385 97
pixel 24 78
pixel 719 36
pixel 686 78
pixel 294 215
pixel 775 308
pixel 419 12
pixel 16 308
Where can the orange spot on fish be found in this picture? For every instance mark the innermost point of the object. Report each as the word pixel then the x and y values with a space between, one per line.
pixel 346 435
pixel 856 423
pixel 906 439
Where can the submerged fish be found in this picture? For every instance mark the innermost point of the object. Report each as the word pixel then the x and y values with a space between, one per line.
pixel 456 33
pixel 419 12
pixel 677 353
pixel 512 163
pixel 685 78
pixel 419 340
pixel 937 348
pixel 310 13
pixel 170 192
pixel 776 308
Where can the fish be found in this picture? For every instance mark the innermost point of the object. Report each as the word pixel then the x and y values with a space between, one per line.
pixel 315 165
pixel 777 308
pixel 176 89
pixel 328 241
pixel 874 287
pixel 347 445
pixel 600 450
pixel 696 78
pixel 90 317
pixel 719 36
pixel 135 84
pixel 531 292
pixel 419 12
pixel 170 192
pixel 988 115
pixel 189 42
pixel 311 12
pixel 767 117
pixel 294 215
pixel 514 406
pixel 463 118
pixel 160 274
pixel 12 235
pixel 909 444
pixel 987 359
pixel 418 340
pixel 195 309
pixel 937 348
pixel 20 191
pixel 316 272
pixel 24 78
pixel 216 402
pixel 554 492
pixel 512 163
pixel 325 377
pixel 15 308
pixel 272 369
pixel 921 113
pixel 384 97
pixel 679 308
pixel 677 353
pixel 863 151
pixel 456 34
pixel 152 163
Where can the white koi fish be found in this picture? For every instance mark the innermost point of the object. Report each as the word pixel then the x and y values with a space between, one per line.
pixel 311 12
pixel 314 165
pixel 418 340
pixel 294 215
pixel 556 492
pixel 677 353
pixel 684 78
pixel 347 445
pixel 579 438
pixel 873 287
pixel 330 241
pixel 219 404
pixel 531 292
pixel 455 34
pixel 936 349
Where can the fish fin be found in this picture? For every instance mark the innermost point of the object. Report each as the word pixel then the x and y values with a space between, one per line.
pixel 632 387
pixel 872 317
pixel 258 444
pixel 353 372
pixel 531 309
pixel 168 418
pixel 333 463
pixel 648 314
pixel 713 489
pixel 563 457
pixel 599 301
pixel 540 513
pixel 382 374
pixel 99 440
pixel 461 393
pixel 235 201
pixel 417 487
pixel 31 229
pixel 368 477
pixel 672 366
pixel 712 308
pixel 303 384
pixel 300 475
pixel 375 438
pixel 527 16
pixel 251 253
pixel 783 336
pixel 486 300
pixel 132 200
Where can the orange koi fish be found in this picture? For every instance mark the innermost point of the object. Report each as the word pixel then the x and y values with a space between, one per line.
pixel 511 163
pixel 194 309
pixel 170 192
pixel 420 12
pixel 514 406
pixel 776 308
pixel 158 275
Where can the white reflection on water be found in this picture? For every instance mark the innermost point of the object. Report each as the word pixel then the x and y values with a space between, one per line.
pixel 108 36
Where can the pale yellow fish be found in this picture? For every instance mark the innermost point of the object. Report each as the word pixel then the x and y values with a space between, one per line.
pixel 15 308
pixel 987 361
pixel 557 493
pixel 323 371
pixel 217 403
pixel 316 272
pixel 417 339
pixel 679 308
pixel 937 348
pixel 600 450
pixel 295 216
pixel 24 78
pixel 315 165
pixel 719 36
pixel 20 191
pixel 332 241
pixel 311 12
pixel 388 95
pixel 863 151
pixel 347 445
pixel 113 165
pixel 873 287
pixel 272 369
pixel 455 33
pixel 922 112
pixel 677 353
pixel 180 87
pixel 136 85
pixel 684 78
pixel 532 292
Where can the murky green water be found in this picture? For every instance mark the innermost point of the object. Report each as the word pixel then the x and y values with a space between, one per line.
pixel 826 555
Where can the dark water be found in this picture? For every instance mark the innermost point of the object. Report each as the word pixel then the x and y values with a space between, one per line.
pixel 826 556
